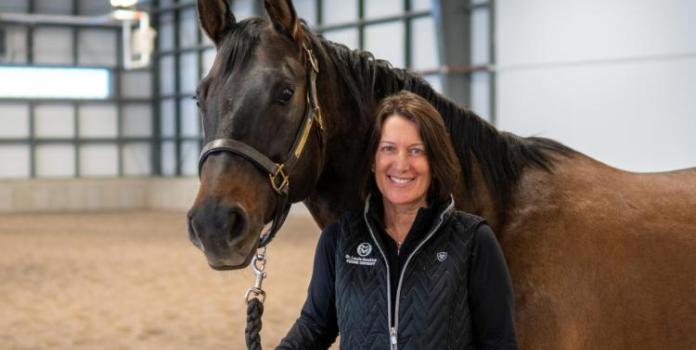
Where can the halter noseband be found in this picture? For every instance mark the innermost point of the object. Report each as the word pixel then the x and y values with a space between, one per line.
pixel 277 173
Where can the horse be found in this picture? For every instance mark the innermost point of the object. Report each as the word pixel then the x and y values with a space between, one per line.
pixel 600 258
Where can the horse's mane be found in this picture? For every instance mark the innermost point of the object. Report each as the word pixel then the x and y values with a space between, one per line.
pixel 502 156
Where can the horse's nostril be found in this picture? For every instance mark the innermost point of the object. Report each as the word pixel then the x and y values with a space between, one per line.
pixel 238 221
pixel 193 234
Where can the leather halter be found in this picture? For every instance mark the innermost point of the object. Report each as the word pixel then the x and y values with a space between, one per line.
pixel 277 173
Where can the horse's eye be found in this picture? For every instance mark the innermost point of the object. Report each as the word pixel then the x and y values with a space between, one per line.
pixel 286 95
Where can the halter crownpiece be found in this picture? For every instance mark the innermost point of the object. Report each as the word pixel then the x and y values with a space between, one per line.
pixel 278 174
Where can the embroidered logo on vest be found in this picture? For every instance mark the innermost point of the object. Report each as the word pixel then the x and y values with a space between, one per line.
pixel 364 249
pixel 441 256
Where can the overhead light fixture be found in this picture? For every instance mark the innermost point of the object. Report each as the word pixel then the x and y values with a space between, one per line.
pixel 123 3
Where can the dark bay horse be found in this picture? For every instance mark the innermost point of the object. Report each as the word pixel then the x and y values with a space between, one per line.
pixel 600 258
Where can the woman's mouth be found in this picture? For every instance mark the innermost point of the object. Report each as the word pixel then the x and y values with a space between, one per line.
pixel 400 180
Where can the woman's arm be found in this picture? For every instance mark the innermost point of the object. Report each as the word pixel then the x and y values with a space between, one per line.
pixel 317 327
pixel 492 300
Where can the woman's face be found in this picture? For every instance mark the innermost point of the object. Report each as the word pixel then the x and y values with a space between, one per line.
pixel 402 171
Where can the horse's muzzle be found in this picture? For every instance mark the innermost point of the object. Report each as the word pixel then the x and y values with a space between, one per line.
pixel 222 232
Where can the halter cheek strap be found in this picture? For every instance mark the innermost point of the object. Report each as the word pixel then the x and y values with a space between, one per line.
pixel 277 173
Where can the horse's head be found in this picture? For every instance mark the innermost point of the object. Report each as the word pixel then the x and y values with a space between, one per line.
pixel 260 125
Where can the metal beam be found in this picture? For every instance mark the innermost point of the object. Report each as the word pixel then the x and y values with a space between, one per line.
pixel 453 28
pixel 58 20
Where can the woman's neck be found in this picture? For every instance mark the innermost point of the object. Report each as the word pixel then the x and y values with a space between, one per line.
pixel 398 219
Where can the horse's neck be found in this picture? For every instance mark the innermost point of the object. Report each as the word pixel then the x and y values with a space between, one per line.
pixel 349 121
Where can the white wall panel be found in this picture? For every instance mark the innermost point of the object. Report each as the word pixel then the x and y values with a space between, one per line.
pixel 136 159
pixel 243 9
pixel 97 48
pixel 420 5
pixel 386 41
pixel 536 31
pixel 480 37
pixel 54 120
pixel 137 120
pixel 93 7
pixel 189 158
pixel 167 75
pixel 168 158
pixel 15 45
pixel 188 70
pixel 435 80
pixel 53 46
pixel 347 37
pixel 208 59
pixel 424 53
pixel 614 80
pixel 14 161
pixel 165 33
pixel 338 11
pixel 14 6
pixel 637 116
pixel 190 122
pixel 383 8
pixel 55 160
pixel 188 28
pixel 136 84
pixel 98 160
pixel 14 120
pixel 167 126
pixel 99 120
pixel 307 10
pixel 57 7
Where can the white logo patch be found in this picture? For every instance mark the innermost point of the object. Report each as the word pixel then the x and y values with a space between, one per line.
pixel 441 256
pixel 364 249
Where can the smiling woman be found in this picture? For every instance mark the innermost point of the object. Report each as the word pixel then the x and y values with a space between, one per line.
pixel 430 262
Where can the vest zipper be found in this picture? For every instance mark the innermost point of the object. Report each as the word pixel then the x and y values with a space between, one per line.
pixel 393 335
pixel 392 330
pixel 403 270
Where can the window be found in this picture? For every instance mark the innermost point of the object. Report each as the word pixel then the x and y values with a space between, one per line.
pixel 48 82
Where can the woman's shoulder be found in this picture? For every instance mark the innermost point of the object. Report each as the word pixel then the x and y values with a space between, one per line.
pixel 467 221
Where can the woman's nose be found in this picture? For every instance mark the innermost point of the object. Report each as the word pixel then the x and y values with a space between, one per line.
pixel 401 162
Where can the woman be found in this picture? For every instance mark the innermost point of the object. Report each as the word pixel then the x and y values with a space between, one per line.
pixel 410 271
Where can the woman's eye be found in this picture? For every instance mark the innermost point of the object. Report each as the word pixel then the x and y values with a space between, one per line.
pixel 195 98
pixel 387 149
pixel 286 95
pixel 417 151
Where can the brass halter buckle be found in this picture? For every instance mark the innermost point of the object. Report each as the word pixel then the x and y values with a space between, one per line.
pixel 284 180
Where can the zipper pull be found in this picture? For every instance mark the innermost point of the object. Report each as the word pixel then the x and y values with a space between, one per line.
pixel 392 335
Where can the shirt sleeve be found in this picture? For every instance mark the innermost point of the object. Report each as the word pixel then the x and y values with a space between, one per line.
pixel 491 295
pixel 317 327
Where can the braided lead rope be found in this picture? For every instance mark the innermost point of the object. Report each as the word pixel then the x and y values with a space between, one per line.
pixel 255 296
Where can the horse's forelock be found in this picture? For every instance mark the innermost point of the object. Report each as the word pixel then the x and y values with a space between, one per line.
pixel 240 42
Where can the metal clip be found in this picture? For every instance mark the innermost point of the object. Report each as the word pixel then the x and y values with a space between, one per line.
pixel 258 265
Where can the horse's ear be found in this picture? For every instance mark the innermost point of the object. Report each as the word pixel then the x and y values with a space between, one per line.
pixel 282 14
pixel 216 18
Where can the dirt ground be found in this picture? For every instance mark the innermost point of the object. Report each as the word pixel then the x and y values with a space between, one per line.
pixel 133 281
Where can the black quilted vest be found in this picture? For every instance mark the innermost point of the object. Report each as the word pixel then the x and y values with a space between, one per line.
pixel 432 309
